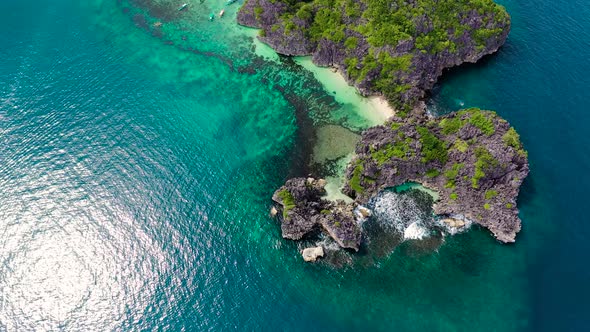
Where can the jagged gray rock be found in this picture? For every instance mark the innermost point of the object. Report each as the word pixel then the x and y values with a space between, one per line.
pixel 304 211
pixel 472 158
pixel 483 31
pixel 477 172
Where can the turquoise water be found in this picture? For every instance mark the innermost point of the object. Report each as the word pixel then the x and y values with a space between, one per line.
pixel 137 162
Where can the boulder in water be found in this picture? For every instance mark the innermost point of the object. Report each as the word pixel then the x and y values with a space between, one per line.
pixel 312 254
pixel 452 222
pixel 363 212
pixel 304 211
pixel 340 223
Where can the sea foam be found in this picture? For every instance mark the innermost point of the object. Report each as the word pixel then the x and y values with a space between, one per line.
pixel 408 214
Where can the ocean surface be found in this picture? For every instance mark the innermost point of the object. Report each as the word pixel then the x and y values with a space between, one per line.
pixel 140 145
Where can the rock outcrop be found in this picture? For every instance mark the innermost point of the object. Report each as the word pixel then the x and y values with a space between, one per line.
pixel 398 50
pixel 305 212
pixel 472 158
pixel 312 254
pixel 452 222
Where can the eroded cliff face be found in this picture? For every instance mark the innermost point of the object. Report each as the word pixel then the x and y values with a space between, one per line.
pixel 472 158
pixel 304 212
pixel 395 48
pixel 399 48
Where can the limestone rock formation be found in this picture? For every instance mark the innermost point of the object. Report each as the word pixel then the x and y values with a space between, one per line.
pixel 472 158
pixel 305 212
pixel 396 48
pixel 312 254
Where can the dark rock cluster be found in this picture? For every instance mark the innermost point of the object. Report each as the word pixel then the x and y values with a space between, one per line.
pixel 479 166
pixel 289 34
pixel 305 212
pixel 472 158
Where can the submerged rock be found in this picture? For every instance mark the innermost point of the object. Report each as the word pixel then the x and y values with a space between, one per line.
pixel 333 142
pixel 312 254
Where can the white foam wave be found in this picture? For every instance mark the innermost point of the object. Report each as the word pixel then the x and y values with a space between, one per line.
pixel 400 213
pixel 454 224
pixel 416 231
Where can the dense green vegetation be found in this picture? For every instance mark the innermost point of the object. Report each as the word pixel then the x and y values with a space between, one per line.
pixel 395 125
pixel 258 10
pixel 483 122
pixel 451 175
pixel 485 162
pixel 399 149
pixel 512 139
pixel 432 147
pixel 432 173
pixel 451 125
pixel 460 145
pixel 447 160
pixel 428 26
pixel 288 201
pixel 355 180
pixel 489 194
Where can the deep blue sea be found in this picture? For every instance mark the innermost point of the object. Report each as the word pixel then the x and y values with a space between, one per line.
pixel 140 145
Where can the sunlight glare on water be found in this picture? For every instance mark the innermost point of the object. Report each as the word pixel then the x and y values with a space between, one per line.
pixel 72 255
pixel 138 161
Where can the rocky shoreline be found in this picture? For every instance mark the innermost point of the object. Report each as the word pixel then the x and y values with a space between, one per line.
pixel 473 159
pixel 304 212
pixel 398 52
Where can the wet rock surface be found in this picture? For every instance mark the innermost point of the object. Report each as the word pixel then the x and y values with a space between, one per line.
pixel 312 254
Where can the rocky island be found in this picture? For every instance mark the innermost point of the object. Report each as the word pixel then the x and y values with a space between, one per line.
pixel 396 48
pixel 472 158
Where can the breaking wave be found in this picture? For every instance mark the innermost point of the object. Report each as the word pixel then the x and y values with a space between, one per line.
pixel 415 232
pixel 408 213
pixel 453 224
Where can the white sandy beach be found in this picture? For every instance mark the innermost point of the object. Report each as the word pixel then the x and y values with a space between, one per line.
pixel 375 108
